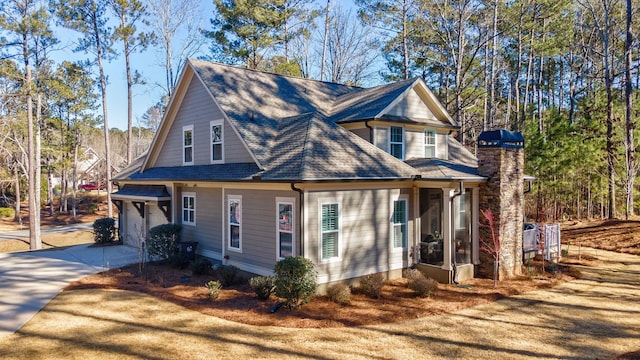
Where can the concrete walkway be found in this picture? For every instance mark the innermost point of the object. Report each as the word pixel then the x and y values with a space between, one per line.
pixel 29 280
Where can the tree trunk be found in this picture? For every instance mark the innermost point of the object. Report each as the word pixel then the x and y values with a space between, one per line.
pixel 18 207
pixel 107 146
pixel 629 125
pixel 324 41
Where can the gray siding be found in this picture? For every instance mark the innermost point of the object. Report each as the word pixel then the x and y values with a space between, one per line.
pixel 208 229
pixel 259 228
pixel 414 143
pixel 413 107
pixel 442 144
pixel 365 233
pixel 363 133
pixel 198 109
pixel 381 138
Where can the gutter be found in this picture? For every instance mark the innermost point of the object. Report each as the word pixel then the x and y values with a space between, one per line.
pixel 366 123
pixel 301 211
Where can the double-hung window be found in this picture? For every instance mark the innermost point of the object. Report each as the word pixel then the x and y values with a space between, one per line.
pixel 330 231
pixel 187 145
pixel 188 208
pixel 399 223
pixel 285 228
pixel 429 144
pixel 216 141
pixel 396 142
pixel 235 222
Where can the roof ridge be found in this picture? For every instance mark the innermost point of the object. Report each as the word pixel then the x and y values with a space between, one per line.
pixel 240 67
pixel 305 152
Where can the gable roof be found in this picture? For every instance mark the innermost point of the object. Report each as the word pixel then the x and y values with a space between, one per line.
pixel 290 126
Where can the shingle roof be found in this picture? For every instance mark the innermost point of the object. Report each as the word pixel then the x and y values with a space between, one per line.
pixel 291 127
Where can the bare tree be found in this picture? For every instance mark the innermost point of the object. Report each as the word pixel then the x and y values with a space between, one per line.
pixel 176 24
pixel 351 49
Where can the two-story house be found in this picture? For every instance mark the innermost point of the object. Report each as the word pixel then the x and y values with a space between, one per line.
pixel 257 167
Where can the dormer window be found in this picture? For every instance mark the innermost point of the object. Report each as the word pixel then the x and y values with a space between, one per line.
pixel 396 142
pixel 429 144
pixel 216 141
pixel 187 145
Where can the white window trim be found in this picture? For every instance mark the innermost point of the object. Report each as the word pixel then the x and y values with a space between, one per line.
pixel 285 201
pixel 404 198
pixel 184 147
pixel 389 142
pixel 212 124
pixel 191 195
pixel 435 144
pixel 228 223
pixel 339 257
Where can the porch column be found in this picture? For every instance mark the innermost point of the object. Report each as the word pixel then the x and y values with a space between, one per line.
pixel 475 227
pixel 447 225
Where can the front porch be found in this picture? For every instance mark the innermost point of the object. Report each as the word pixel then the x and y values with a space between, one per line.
pixel 447 245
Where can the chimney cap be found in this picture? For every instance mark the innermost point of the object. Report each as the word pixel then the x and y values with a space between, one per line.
pixel 501 139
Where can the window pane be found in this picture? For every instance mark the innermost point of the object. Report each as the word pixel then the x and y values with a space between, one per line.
pixel 216 133
pixel 234 211
pixel 216 152
pixel 188 138
pixel 286 244
pixel 329 245
pixel 400 236
pixel 234 236
pixel 329 217
pixel 284 217
pixel 396 150
pixel 188 157
pixel 396 134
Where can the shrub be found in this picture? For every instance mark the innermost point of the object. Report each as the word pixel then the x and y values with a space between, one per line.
pixel 162 240
pixel 420 284
pixel 200 266
pixel 228 274
pixel 371 285
pixel 6 212
pixel 295 281
pixel 104 230
pixel 263 286
pixel 339 293
pixel 214 289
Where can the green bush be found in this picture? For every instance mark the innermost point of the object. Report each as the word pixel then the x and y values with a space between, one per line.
pixel 263 286
pixel 162 240
pixel 200 266
pixel 295 281
pixel 214 289
pixel 7 212
pixel 228 274
pixel 371 285
pixel 339 293
pixel 104 230
pixel 420 284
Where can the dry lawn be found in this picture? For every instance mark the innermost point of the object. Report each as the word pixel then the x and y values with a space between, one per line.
pixel 594 317
pixel 120 315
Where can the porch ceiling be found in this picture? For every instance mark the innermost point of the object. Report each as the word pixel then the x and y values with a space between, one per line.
pixel 142 192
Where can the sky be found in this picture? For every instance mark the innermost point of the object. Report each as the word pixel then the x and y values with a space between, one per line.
pixel 147 63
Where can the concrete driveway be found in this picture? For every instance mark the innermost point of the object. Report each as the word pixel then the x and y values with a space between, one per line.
pixel 29 280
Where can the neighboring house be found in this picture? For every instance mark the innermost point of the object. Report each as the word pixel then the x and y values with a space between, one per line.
pixel 257 167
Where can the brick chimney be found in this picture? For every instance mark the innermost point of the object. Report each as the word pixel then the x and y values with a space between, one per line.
pixel 501 159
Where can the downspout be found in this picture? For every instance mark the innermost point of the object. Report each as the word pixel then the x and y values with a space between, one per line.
pixel 366 123
pixel 453 245
pixel 301 211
